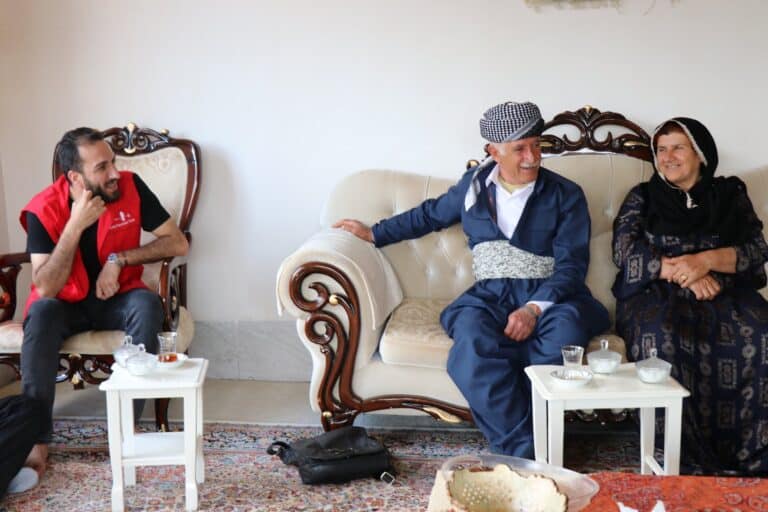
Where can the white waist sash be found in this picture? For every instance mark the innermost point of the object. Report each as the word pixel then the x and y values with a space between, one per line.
pixel 498 259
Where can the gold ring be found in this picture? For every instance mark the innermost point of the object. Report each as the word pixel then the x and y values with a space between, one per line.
pixel 684 277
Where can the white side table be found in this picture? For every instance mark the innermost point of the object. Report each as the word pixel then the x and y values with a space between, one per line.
pixel 622 389
pixel 128 450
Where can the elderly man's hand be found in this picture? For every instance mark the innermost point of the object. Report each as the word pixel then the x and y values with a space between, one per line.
pixel 520 324
pixel 357 228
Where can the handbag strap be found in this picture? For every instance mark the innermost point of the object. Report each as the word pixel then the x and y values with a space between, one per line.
pixel 277 448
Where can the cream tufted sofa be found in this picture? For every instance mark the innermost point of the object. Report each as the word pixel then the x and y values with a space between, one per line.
pixel 171 169
pixel 369 317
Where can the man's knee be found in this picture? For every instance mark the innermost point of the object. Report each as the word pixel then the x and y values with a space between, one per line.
pixel 144 317
pixel 46 314
pixel 146 306
pixel 558 328
pixel 564 325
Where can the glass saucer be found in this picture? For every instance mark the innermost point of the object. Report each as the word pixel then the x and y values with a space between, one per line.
pixel 572 378
pixel 180 358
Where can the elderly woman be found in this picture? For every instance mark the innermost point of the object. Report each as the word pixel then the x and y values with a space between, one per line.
pixel 690 251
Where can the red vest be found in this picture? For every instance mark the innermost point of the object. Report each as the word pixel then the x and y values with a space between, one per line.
pixel 119 229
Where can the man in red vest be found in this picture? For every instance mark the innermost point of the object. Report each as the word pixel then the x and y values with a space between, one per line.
pixel 83 237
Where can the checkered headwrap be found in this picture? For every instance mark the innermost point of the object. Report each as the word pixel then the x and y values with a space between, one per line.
pixel 511 121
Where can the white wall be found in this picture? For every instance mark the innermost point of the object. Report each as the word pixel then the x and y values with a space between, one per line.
pixel 287 97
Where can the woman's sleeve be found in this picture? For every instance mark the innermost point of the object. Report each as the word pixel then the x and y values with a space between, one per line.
pixel 639 263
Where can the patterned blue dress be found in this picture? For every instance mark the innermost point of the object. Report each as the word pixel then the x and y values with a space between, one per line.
pixel 718 348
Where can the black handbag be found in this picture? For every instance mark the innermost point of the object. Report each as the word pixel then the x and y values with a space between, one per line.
pixel 337 456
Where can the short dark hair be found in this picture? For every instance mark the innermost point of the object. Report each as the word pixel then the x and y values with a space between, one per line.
pixel 67 154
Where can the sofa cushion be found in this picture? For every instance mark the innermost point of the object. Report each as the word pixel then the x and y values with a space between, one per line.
pixel 91 342
pixel 413 336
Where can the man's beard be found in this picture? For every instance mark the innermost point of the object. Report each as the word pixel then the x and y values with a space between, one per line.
pixel 97 191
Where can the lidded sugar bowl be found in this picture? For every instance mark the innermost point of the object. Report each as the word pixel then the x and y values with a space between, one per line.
pixel 603 360
pixel 653 370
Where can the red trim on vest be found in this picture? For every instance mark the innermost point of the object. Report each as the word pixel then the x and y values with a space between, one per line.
pixel 119 229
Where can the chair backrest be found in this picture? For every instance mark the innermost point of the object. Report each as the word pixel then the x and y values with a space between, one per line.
pixel 170 167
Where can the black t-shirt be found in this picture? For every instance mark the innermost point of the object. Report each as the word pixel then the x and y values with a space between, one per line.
pixel 152 216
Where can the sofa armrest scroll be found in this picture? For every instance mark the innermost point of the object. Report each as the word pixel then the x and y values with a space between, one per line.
pixel 366 267
pixel 335 284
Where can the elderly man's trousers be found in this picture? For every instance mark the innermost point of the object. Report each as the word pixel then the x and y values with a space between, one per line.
pixel 50 321
pixel 488 367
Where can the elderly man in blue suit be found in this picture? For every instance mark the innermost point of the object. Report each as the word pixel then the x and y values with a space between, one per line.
pixel 528 229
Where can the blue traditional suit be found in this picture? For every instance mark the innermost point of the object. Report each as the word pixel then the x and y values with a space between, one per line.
pixel 552 233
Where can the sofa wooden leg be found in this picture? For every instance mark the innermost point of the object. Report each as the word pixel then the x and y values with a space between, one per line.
pixel 161 414
pixel 331 421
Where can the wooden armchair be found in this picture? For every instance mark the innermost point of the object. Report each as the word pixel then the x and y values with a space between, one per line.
pixel 171 169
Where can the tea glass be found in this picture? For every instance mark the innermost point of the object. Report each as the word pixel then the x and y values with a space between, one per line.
pixel 167 346
pixel 572 356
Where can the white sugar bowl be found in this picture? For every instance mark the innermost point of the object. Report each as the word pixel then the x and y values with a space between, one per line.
pixel 142 362
pixel 653 370
pixel 603 360
pixel 125 350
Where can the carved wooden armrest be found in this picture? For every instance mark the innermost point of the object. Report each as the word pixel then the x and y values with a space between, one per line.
pixel 10 266
pixel 342 290
pixel 368 271
pixel 172 287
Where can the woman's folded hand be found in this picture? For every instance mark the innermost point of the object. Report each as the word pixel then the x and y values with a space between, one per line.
pixel 705 288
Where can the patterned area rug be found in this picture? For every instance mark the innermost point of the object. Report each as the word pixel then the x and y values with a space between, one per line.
pixel 241 476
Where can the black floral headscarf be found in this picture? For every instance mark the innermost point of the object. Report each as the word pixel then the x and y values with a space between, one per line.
pixel 708 207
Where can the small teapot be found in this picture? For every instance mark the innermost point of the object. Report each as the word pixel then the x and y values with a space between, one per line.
pixel 125 350
pixel 141 363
